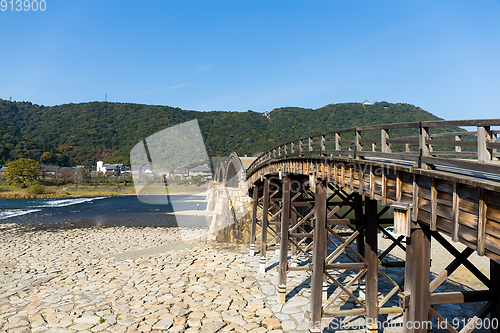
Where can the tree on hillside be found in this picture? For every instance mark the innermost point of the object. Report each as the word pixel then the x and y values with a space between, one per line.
pixel 120 160
pixel 22 170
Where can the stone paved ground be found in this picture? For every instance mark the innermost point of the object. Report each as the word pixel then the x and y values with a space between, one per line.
pixel 72 281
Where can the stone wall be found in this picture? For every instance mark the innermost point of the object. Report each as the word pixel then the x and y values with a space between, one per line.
pixel 230 209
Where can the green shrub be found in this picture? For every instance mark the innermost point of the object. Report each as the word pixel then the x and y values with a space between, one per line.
pixel 36 189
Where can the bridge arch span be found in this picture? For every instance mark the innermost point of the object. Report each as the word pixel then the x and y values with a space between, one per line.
pixel 438 182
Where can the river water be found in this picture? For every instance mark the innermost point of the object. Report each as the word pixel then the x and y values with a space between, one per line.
pixel 99 211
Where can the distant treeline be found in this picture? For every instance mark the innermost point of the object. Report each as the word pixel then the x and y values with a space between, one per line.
pixel 86 132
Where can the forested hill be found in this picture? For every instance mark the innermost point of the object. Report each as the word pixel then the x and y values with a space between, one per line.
pixel 88 132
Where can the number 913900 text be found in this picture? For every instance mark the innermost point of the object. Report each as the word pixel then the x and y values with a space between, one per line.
pixel 23 5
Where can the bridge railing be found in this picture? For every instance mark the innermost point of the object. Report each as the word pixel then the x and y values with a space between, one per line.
pixel 449 146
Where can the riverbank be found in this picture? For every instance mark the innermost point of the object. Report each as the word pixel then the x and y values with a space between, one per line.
pixel 54 192
pixel 127 280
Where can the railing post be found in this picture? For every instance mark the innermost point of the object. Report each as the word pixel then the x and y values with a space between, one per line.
pixel 285 222
pixel 484 135
pixel 286 149
pixel 384 136
pixel 425 150
pixel 338 147
pixel 292 147
pixel 323 148
pixel 319 253
pixel 458 138
pixel 255 202
pixel 310 144
pixel 357 142
pixel 301 147
pixel 265 216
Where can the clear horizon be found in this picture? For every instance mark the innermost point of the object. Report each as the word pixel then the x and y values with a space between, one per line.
pixel 239 56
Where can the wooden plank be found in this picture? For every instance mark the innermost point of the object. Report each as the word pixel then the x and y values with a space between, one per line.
pixel 468 219
pixel 398 186
pixel 335 172
pixel 494 198
pixel 425 193
pixel 415 198
pixel 492 228
pixel 372 182
pixel 346 265
pixel 443 224
pixel 492 244
pixel 445 186
pixel 456 213
pixel 342 313
pixel 493 212
pixel 468 205
pixel 391 194
pixel 433 205
pixel 467 234
pixel 444 211
pixel 319 253
pixel 481 224
pixel 407 187
pixel 342 175
pixel 424 205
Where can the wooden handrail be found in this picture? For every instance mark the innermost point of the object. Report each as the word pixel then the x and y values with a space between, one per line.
pixel 484 148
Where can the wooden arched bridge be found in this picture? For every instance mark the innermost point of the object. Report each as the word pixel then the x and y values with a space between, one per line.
pixel 438 178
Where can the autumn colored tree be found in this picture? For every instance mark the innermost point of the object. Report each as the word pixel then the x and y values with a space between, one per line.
pixel 46 156
pixel 22 170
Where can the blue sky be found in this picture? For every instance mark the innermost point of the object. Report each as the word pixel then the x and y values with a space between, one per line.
pixel 240 55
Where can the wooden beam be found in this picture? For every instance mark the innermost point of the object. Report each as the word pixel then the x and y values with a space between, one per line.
pixel 285 221
pixel 319 254
pixel 399 186
pixel 255 201
pixel 459 297
pixel 418 261
pixel 359 216
pixel 456 213
pixel 433 204
pixel 293 223
pixel 415 198
pixel 371 248
pixel 265 215
pixel 384 188
pixel 481 222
